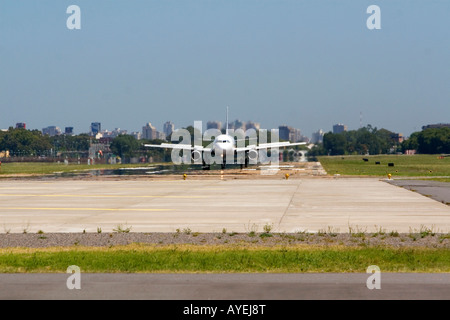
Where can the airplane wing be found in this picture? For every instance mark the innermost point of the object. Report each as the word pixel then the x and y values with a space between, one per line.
pixel 174 146
pixel 270 145
pixel 278 144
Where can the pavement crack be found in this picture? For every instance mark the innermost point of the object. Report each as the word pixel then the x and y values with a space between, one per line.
pixel 289 204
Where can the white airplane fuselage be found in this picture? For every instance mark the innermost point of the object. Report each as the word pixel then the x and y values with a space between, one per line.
pixel 223 143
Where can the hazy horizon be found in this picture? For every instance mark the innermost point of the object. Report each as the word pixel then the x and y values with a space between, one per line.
pixel 306 64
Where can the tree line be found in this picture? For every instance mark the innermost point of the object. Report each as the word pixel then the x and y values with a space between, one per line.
pixel 20 142
pixel 430 141
pixel 370 140
pixel 366 140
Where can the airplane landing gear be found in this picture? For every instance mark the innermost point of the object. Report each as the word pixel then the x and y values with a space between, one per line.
pixel 206 166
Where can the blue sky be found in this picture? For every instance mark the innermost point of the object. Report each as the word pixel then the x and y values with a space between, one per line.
pixel 307 64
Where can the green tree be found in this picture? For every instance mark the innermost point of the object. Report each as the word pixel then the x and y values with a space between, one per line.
pixel 334 144
pixel 24 142
pixel 434 140
pixel 71 143
pixel 412 143
pixel 124 145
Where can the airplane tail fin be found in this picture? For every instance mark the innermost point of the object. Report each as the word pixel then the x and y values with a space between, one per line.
pixel 226 131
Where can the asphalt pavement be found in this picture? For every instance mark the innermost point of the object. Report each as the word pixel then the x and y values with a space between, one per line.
pixel 439 191
pixel 244 287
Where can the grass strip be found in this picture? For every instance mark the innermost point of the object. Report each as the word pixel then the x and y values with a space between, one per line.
pixel 138 258
pixel 39 168
pixel 419 165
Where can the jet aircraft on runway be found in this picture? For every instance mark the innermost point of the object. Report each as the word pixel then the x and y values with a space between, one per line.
pixel 223 145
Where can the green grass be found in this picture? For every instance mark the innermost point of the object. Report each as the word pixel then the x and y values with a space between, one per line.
pixel 39 168
pixel 404 165
pixel 220 259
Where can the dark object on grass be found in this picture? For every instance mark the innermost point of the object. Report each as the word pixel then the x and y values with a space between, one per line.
pixel 377 162
pixel 365 159
pixel 390 164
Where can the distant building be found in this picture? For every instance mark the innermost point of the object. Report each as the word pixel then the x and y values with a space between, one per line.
pixel 51 131
pixel 252 125
pixel 137 135
pixel 284 132
pixel 168 128
pixel 214 125
pixel 68 131
pixel 96 127
pixel 21 125
pixel 397 137
pixel 317 137
pixel 288 133
pixel 339 128
pixel 436 126
pixel 160 135
pixel 149 132
pixel 112 134
pixel 237 124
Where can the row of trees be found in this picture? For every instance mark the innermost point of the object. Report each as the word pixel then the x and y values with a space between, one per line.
pixel 24 142
pixel 30 143
pixel 21 142
pixel 370 140
pixel 366 140
pixel 431 141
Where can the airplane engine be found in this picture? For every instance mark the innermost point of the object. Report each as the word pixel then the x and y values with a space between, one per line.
pixel 253 155
pixel 196 155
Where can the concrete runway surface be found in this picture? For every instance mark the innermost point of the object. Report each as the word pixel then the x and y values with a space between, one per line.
pixel 209 205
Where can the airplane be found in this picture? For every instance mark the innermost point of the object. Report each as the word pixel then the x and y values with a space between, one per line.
pixel 225 144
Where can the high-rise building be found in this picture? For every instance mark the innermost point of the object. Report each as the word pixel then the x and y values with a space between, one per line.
pixel 168 128
pixel 96 127
pixel 137 135
pixel 317 137
pixel 149 132
pixel 21 125
pixel 252 125
pixel 68 131
pixel 160 135
pixel 237 124
pixel 295 135
pixel 51 131
pixel 214 125
pixel 284 132
pixel 287 133
pixel 339 128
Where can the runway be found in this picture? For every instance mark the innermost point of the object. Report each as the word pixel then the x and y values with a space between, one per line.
pixel 235 287
pixel 211 205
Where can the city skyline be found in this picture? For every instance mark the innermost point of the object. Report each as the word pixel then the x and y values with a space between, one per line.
pixel 304 64
pixel 162 134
